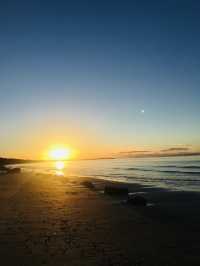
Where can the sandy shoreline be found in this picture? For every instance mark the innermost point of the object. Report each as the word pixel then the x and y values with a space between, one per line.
pixel 51 220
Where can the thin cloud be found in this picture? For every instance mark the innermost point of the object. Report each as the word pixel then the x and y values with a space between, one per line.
pixel 176 149
pixel 132 152
pixel 170 152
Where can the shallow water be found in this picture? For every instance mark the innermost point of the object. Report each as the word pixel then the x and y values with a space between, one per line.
pixel 181 173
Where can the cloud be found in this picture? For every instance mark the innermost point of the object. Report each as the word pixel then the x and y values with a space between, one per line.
pixel 169 152
pixel 132 152
pixel 176 149
pixel 180 153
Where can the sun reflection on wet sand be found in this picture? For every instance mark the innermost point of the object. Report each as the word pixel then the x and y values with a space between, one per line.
pixel 59 166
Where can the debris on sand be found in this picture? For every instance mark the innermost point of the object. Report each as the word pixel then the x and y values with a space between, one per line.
pixel 116 190
pixel 137 200
pixel 88 184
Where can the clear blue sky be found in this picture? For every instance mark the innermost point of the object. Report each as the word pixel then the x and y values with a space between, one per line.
pixel 82 72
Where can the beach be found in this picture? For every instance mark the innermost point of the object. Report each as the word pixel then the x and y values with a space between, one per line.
pixel 56 220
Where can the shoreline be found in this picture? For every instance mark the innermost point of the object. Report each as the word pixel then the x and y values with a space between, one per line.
pixel 51 220
pixel 173 177
pixel 180 205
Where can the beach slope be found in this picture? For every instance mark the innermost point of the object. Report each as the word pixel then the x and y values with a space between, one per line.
pixel 54 220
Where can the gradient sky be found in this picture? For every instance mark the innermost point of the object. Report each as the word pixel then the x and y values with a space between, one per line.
pixel 100 76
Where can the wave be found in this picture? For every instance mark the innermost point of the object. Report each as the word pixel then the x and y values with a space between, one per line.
pixel 184 167
pixel 163 179
pixel 179 172
pixel 162 171
pixel 148 179
pixel 138 169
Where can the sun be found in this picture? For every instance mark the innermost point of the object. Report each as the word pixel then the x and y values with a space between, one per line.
pixel 59 154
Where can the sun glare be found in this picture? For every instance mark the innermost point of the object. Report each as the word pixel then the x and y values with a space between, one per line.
pixel 59 165
pixel 59 154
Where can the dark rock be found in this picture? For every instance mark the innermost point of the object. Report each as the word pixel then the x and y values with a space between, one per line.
pixel 14 170
pixel 3 168
pixel 114 190
pixel 88 184
pixel 137 200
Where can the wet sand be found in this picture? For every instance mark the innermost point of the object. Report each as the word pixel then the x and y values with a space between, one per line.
pixel 54 220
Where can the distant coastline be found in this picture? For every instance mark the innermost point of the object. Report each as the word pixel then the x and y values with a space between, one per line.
pixel 6 161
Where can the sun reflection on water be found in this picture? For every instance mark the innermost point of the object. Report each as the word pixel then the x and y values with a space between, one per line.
pixel 59 166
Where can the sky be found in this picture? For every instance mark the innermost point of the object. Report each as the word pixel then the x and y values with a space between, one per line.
pixel 105 78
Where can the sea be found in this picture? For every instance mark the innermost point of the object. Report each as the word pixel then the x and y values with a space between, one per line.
pixel 174 173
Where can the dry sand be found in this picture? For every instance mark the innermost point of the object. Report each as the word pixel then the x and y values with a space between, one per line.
pixel 54 220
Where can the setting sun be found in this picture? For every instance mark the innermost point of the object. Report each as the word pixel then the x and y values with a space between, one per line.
pixel 60 154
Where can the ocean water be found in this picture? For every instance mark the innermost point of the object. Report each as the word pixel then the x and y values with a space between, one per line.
pixel 177 173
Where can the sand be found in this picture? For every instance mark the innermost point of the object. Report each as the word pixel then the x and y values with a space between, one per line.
pixel 55 220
